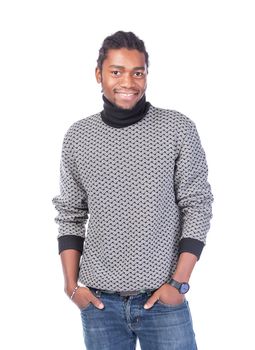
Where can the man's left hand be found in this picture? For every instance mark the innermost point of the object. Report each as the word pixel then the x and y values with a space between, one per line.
pixel 167 294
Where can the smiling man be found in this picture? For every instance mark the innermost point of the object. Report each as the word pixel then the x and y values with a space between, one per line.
pixel 123 76
pixel 139 174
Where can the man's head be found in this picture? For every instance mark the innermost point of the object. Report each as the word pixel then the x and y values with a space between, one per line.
pixel 122 68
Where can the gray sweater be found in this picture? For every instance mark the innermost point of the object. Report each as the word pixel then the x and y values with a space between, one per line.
pixel 144 192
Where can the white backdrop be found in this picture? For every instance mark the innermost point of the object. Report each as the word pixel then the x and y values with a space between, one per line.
pixel 202 64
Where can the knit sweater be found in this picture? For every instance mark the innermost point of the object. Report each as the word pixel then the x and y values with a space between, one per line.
pixel 142 190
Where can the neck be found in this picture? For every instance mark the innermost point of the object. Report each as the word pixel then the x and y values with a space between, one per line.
pixel 119 117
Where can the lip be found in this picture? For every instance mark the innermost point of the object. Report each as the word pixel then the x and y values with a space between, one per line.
pixel 127 96
pixel 126 92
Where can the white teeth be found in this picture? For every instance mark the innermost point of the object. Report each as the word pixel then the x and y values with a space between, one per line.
pixel 125 94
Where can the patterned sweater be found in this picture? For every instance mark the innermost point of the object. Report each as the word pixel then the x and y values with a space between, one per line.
pixel 143 191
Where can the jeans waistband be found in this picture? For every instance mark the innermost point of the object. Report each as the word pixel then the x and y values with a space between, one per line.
pixel 124 293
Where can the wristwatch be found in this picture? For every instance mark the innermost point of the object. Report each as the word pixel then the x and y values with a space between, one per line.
pixel 182 287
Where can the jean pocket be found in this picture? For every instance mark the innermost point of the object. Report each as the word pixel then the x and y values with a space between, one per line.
pixel 96 293
pixel 159 302
pixel 86 306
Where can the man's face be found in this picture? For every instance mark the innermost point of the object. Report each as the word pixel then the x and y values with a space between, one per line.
pixel 123 77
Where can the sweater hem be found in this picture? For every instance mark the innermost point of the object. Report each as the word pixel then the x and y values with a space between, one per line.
pixel 70 242
pixel 191 245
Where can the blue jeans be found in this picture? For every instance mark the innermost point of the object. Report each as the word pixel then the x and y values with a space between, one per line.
pixel 124 319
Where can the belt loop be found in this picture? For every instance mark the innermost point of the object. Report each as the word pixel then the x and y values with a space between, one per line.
pixel 96 292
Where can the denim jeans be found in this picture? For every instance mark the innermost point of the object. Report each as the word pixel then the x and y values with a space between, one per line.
pixel 124 319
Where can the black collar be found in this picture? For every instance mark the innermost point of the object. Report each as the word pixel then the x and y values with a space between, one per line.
pixel 119 117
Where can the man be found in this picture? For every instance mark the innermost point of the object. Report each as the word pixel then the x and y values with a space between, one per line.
pixel 140 174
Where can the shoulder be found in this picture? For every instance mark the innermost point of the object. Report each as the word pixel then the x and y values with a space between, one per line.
pixel 178 125
pixel 79 128
pixel 80 125
pixel 172 117
pixel 83 123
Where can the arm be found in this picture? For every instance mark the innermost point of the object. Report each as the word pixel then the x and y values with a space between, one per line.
pixel 193 193
pixel 72 206
pixel 168 294
pixel 185 266
pixel 72 213
pixel 70 259
pixel 194 199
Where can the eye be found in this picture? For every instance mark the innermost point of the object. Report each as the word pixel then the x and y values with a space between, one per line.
pixel 139 74
pixel 115 73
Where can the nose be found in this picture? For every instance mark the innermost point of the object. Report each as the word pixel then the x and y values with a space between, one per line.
pixel 127 81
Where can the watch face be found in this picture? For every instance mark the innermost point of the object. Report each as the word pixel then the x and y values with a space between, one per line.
pixel 184 288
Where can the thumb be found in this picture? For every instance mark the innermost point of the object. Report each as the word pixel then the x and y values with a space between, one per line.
pixel 150 302
pixel 97 302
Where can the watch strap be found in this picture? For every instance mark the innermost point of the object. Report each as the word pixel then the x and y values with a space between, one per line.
pixel 175 284
pixel 182 287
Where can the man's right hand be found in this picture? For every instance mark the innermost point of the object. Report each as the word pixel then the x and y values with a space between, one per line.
pixel 83 296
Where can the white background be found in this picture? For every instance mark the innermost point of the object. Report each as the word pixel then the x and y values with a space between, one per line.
pixel 202 64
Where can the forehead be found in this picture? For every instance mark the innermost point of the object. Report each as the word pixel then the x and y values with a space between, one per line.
pixel 125 58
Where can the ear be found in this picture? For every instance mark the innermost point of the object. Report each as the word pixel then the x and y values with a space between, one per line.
pixel 98 75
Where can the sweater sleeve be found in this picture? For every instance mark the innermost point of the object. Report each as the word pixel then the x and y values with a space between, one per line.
pixel 193 193
pixel 71 203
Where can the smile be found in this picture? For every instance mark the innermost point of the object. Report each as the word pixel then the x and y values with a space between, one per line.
pixel 126 94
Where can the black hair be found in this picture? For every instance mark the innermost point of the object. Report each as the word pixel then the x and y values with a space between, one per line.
pixel 121 40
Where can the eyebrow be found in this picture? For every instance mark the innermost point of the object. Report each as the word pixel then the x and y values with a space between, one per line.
pixel 122 67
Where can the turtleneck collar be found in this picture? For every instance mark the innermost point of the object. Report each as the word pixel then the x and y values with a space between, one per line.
pixel 119 117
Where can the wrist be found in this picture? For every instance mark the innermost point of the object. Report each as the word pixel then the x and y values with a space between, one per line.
pixel 180 286
pixel 70 287
pixel 180 278
pixel 74 291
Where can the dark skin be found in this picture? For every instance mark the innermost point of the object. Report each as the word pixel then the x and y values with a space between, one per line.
pixel 124 81
pixel 123 77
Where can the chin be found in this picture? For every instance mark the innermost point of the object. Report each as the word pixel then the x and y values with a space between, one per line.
pixel 126 106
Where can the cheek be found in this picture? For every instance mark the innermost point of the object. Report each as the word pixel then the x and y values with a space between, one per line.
pixel 109 83
pixel 143 85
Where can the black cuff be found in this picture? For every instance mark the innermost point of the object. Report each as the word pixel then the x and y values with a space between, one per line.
pixel 191 245
pixel 70 242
